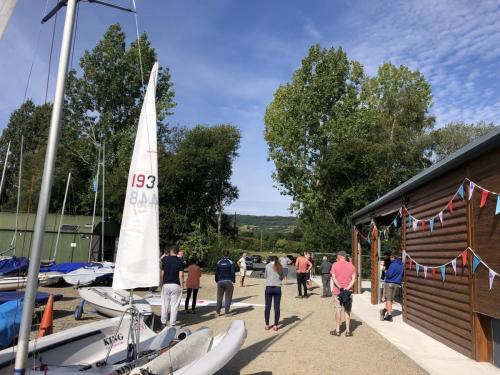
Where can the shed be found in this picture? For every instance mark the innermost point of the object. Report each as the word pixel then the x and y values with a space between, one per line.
pixel 450 236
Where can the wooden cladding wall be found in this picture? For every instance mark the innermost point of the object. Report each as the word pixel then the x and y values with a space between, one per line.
pixel 442 310
pixel 486 234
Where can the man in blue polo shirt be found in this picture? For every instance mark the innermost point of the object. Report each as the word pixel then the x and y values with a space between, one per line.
pixel 393 279
pixel 225 279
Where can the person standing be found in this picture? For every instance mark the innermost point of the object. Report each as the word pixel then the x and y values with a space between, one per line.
pixel 325 269
pixel 192 285
pixel 172 276
pixel 242 263
pixel 393 279
pixel 225 279
pixel 274 275
pixel 343 276
pixel 303 266
pixel 310 258
pixel 285 262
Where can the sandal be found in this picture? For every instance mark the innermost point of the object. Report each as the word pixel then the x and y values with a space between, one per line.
pixel 275 328
pixel 334 333
pixel 348 334
pixel 267 328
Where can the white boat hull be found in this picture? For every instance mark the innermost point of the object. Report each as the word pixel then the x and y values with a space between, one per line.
pixel 84 346
pixel 87 275
pixel 14 283
pixel 111 302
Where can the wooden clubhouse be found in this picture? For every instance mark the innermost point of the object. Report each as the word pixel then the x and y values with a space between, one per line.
pixel 450 238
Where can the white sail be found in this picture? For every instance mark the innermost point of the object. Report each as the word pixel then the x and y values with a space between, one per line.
pixel 6 10
pixel 137 264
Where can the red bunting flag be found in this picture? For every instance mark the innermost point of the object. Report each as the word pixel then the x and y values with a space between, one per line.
pixel 411 263
pixel 450 206
pixel 464 258
pixel 423 225
pixel 433 270
pixel 484 196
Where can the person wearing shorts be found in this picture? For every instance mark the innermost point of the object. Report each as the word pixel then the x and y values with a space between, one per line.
pixel 285 262
pixel 343 276
pixel 393 279
pixel 243 268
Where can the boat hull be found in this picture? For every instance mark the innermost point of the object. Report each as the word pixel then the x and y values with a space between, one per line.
pixel 111 302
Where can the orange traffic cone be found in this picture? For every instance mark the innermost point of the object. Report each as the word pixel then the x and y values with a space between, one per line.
pixel 46 326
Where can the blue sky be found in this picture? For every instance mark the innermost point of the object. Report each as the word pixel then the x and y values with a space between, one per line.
pixel 228 57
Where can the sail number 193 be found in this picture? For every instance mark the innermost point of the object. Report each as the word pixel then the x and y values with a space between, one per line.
pixel 140 181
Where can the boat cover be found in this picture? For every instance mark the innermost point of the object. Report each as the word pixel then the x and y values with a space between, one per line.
pixel 40 299
pixel 10 320
pixel 67 267
pixel 13 265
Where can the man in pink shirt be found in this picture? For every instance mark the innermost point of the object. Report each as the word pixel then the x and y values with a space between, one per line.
pixel 343 276
pixel 303 266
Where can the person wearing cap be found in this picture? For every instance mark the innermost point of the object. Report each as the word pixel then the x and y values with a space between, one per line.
pixel 343 276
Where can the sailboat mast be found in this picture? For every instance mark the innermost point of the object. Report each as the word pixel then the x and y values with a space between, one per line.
pixel 102 220
pixel 4 167
pixel 6 11
pixel 96 190
pixel 14 242
pixel 45 190
pixel 62 216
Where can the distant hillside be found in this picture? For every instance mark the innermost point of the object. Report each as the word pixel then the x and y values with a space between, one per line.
pixel 266 223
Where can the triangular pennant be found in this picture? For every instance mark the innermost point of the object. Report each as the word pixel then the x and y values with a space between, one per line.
pixel 433 271
pixel 423 225
pixel 369 240
pixel 450 206
pixel 454 265
pixel 472 185
pixel 395 222
pixel 492 277
pixel 464 258
pixel 431 224
pixel 425 272
pixel 443 271
pixel 461 191
pixel 484 196
pixel 411 263
pixel 475 262
pixel 410 221
pixel 441 217
pixel 417 267
pixel 497 211
pixel 404 256
pixel 415 224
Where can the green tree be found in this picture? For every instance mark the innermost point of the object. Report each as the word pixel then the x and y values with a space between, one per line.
pixel 340 139
pixel 453 136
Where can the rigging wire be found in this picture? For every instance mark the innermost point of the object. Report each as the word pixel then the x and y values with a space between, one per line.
pixel 138 43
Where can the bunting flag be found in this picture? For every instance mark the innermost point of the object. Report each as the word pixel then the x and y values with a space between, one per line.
pixel 404 256
pixel 443 271
pixel 450 206
pixel 461 191
pixel 410 221
pixel 492 277
pixel 472 185
pixel 415 224
pixel 454 265
pixel 475 262
pixel 395 222
pixel 484 196
pixel 431 224
pixel 417 268
pixel 411 263
pixel 441 217
pixel 497 211
pixel 94 184
pixel 433 270
pixel 425 272
pixel 423 225
pixel 464 258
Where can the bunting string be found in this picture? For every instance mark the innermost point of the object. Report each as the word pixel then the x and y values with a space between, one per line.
pixel 476 261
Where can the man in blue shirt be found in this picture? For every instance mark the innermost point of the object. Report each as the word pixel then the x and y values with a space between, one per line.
pixel 393 279
pixel 225 279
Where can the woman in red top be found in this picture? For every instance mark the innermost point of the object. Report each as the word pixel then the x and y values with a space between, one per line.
pixel 192 285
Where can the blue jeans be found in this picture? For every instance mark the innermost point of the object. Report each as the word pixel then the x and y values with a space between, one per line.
pixel 272 292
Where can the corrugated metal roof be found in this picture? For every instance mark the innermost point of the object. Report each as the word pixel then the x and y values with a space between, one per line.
pixel 470 151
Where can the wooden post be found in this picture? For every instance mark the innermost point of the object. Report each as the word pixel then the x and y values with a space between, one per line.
pixel 375 265
pixel 482 346
pixel 405 290
pixel 355 259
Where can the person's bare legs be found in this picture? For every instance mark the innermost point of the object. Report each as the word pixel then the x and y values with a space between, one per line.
pixel 388 306
pixel 242 281
pixel 337 319
pixel 347 316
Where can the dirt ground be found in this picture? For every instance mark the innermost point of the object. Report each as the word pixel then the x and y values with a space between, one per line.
pixel 302 346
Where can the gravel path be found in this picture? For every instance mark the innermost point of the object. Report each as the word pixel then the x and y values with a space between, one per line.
pixel 302 346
